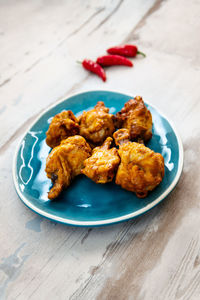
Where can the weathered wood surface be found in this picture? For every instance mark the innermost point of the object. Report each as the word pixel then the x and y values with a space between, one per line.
pixel 156 256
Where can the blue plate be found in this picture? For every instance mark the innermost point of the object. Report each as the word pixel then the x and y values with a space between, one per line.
pixel 85 203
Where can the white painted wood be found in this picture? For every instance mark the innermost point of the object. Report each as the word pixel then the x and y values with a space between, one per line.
pixel 49 70
pixel 155 256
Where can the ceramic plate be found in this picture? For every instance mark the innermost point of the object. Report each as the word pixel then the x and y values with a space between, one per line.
pixel 85 203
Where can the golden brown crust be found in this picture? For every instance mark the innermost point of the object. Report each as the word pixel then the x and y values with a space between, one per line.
pixel 65 162
pixel 102 165
pixel 121 136
pixel 97 124
pixel 62 126
pixel 140 170
pixel 135 117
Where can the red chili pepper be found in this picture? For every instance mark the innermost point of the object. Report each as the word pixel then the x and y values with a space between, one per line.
pixel 111 60
pixel 125 50
pixel 94 68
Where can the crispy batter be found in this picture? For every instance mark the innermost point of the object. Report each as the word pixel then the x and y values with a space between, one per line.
pixel 135 117
pixel 65 162
pixel 141 169
pixel 62 126
pixel 97 124
pixel 102 165
pixel 121 136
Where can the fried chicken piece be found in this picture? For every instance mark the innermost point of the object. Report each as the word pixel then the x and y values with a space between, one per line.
pixel 102 165
pixel 62 126
pixel 141 169
pixel 121 136
pixel 135 117
pixel 97 124
pixel 65 162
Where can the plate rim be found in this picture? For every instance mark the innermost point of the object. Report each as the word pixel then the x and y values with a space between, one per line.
pixel 106 221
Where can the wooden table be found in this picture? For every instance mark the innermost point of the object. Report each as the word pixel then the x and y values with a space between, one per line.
pixel 155 256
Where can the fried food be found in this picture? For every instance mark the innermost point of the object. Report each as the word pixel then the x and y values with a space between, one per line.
pixel 97 124
pixel 102 165
pixel 62 126
pixel 65 162
pixel 141 169
pixel 121 136
pixel 137 168
pixel 135 117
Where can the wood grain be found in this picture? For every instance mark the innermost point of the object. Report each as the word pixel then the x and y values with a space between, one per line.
pixel 155 256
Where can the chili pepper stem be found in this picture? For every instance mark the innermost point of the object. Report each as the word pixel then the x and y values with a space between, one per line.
pixel 79 62
pixel 141 53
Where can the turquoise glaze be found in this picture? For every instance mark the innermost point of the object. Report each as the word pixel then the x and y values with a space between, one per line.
pixel 85 203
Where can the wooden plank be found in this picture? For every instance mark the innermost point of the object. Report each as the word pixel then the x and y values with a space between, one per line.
pixel 50 71
pixel 34 70
pixel 155 256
